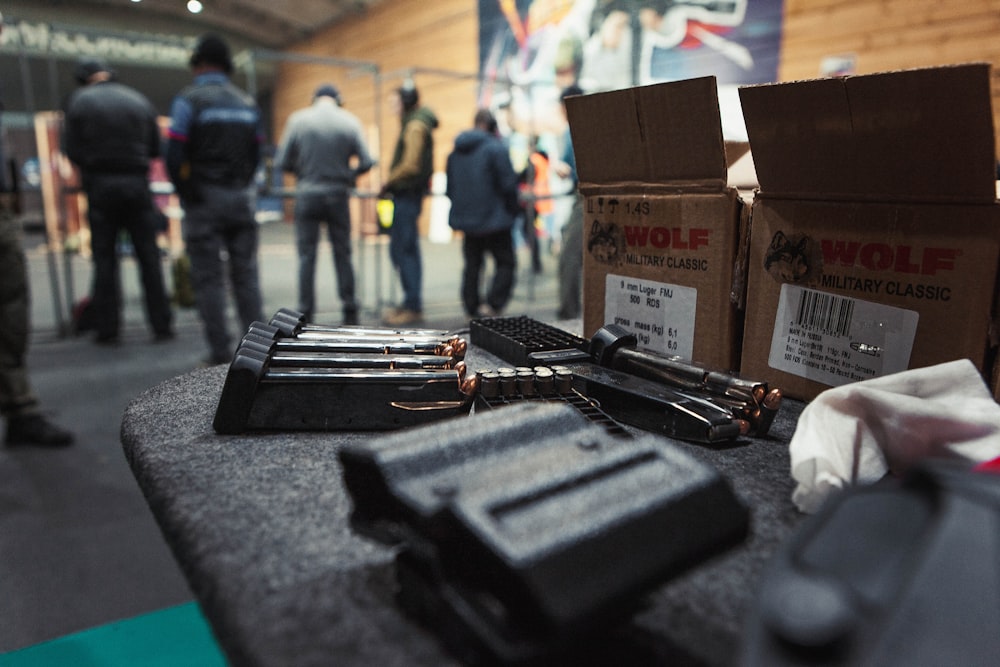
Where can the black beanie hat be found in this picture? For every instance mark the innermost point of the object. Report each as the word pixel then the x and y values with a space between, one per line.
pixel 327 90
pixel 212 50
pixel 408 95
pixel 87 68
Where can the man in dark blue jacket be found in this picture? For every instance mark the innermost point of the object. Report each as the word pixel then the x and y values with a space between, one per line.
pixel 214 146
pixel 482 187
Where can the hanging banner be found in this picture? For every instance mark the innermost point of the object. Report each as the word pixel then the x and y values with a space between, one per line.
pixel 43 39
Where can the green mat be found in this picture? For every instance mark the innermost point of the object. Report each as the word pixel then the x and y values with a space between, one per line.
pixel 168 638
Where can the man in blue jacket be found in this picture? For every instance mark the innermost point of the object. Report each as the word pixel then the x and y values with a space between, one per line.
pixel 482 187
pixel 214 144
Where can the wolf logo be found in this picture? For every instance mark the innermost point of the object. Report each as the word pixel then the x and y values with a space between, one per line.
pixel 793 259
pixel 606 244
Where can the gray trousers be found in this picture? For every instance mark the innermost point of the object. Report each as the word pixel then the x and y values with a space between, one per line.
pixel 223 220
pixel 313 211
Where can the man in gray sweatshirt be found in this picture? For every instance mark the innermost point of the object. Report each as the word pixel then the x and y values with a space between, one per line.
pixel 323 146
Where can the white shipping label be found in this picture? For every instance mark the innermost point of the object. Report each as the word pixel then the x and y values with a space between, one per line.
pixel 661 315
pixel 836 339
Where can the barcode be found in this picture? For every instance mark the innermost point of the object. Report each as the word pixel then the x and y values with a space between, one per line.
pixel 825 312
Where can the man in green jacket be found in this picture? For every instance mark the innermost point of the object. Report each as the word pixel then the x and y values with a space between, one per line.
pixel 408 183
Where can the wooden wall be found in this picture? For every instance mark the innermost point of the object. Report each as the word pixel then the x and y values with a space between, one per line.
pixel 438 40
pixel 443 36
pixel 891 34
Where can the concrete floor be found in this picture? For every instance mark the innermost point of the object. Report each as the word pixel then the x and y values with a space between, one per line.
pixel 78 546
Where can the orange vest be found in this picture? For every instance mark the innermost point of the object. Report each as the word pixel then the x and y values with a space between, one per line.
pixel 544 204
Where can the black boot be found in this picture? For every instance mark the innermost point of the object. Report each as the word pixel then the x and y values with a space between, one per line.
pixel 36 430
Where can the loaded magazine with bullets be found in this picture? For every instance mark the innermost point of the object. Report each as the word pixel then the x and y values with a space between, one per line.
pixel 290 375
pixel 661 394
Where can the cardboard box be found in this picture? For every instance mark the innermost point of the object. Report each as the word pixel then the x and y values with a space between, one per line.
pixel 661 226
pixel 875 231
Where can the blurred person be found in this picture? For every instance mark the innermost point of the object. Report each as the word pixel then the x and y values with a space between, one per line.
pixel 323 146
pixel 408 183
pixel 571 252
pixel 607 53
pixel 543 206
pixel 483 189
pixel 111 134
pixel 214 145
pixel 18 402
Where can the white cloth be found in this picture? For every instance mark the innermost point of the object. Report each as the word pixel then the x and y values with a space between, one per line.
pixel 856 433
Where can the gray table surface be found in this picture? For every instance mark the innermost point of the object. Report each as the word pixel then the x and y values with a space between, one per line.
pixel 259 526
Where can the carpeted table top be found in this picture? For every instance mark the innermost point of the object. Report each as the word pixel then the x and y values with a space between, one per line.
pixel 259 526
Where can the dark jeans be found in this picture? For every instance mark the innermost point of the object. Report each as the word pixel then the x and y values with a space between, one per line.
pixel 404 247
pixel 312 213
pixel 223 220
pixel 119 202
pixel 529 218
pixel 474 248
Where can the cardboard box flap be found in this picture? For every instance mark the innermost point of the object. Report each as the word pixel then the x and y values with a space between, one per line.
pixel 666 135
pixel 913 135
